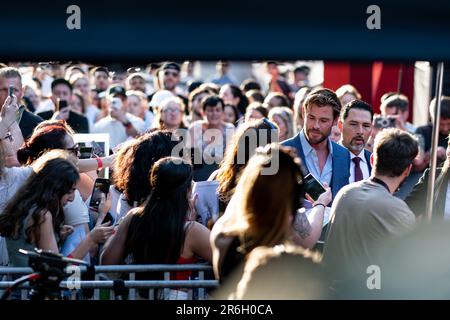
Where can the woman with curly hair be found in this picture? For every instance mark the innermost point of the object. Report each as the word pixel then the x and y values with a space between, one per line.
pixel 134 162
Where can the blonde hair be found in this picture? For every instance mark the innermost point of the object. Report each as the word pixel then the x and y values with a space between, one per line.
pixel 286 115
pixel 262 212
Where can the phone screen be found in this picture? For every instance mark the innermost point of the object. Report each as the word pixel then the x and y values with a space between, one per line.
pixel 62 104
pixel 85 152
pixel 100 186
pixel 11 91
pixel 313 187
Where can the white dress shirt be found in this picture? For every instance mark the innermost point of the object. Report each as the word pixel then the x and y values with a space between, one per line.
pixel 363 164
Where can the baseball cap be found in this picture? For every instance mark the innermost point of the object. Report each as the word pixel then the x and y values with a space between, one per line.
pixel 171 65
pixel 117 90
pixel 159 97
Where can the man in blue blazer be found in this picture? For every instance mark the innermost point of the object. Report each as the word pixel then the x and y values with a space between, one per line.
pixel 355 124
pixel 326 160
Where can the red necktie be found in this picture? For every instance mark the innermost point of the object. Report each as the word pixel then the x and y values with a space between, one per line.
pixel 358 171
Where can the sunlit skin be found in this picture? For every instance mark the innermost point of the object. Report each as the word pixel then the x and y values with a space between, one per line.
pixel 68 197
pixel 444 126
pixel 229 115
pixel 135 106
pixel 197 106
pixel 214 115
pixel 171 115
pixel 76 104
pixel 227 96
pixel 101 80
pixel 282 132
pixel 318 124
pixel 169 79
pixel 356 130
pixel 82 85
pixel 137 83
pixel 335 135
pixel 4 89
pixel 319 121
pixel 61 92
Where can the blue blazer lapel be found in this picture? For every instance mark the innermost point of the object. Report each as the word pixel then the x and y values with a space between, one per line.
pixel 367 154
pixel 341 168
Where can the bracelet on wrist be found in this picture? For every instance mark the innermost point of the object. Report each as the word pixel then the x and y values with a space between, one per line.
pixel 319 204
pixel 99 163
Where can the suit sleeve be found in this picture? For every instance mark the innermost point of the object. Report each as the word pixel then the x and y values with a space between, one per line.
pixel 416 200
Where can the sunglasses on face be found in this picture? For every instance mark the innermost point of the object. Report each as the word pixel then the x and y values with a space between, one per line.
pixel 75 149
pixel 169 73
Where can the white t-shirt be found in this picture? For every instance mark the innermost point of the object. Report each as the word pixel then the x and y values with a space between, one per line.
pixel 116 130
pixel 76 212
pixel 91 114
pixel 123 207
pixel 13 178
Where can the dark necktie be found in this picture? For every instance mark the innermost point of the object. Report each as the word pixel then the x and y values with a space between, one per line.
pixel 358 171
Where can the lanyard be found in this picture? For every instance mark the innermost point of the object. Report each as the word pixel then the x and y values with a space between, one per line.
pixel 376 180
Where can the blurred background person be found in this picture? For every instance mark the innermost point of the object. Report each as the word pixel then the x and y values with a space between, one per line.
pixel 222 77
pixel 137 105
pixel 231 114
pixel 119 124
pixel 170 115
pixel 210 136
pixel 277 83
pixel 300 97
pixel 254 96
pixel 276 99
pixel 397 106
pixel 195 106
pixel 232 94
pixel 255 111
pixel 300 78
pixel 347 93
pixel 283 118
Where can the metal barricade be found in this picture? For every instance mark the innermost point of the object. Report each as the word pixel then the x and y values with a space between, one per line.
pixel 103 282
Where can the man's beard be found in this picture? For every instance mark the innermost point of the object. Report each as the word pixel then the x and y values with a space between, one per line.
pixel 356 147
pixel 323 138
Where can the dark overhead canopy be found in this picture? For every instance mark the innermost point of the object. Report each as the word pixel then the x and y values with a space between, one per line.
pixel 248 29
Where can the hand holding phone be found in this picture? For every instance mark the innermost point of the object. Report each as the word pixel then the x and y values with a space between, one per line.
pixel 101 186
pixel 61 105
pixel 313 187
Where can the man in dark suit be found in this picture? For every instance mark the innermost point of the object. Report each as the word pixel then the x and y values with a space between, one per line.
pixel 326 160
pixel 27 120
pixel 417 199
pixel 62 92
pixel 355 124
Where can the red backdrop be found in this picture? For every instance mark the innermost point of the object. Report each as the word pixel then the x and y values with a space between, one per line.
pixel 372 79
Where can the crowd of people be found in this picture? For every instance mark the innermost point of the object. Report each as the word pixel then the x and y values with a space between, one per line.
pixel 191 175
